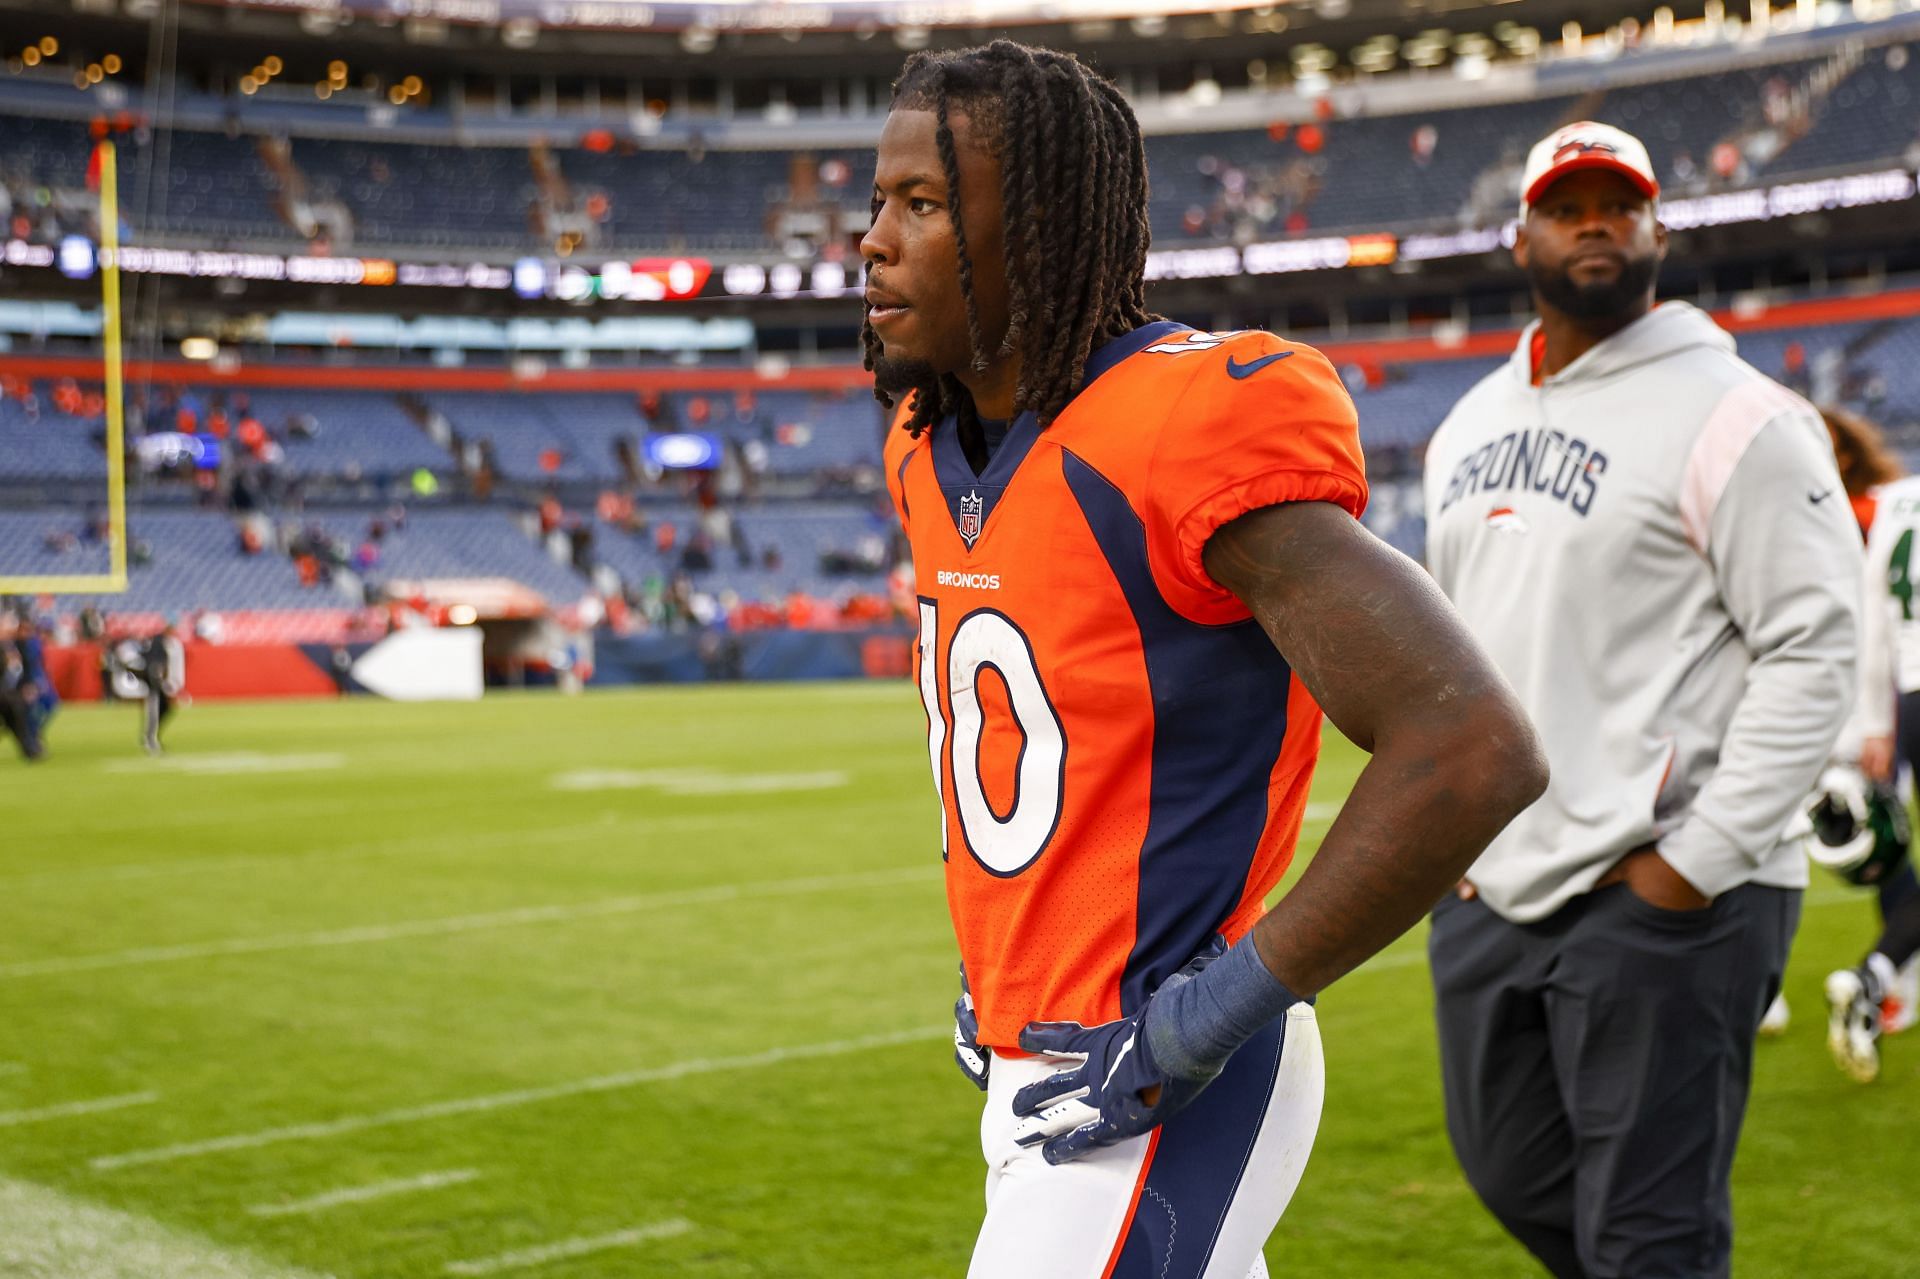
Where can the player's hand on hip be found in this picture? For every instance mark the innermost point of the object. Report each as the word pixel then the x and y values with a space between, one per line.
pixel 974 1061
pixel 1136 1073
pixel 1652 879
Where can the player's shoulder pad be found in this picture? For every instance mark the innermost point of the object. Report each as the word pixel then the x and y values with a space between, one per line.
pixel 896 450
pixel 897 443
pixel 1198 359
pixel 1254 367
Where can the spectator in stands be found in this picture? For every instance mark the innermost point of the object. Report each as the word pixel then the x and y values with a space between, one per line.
pixel 697 556
pixel 658 410
pixel 1794 374
pixel 486 471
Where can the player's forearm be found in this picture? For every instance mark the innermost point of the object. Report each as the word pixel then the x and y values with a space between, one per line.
pixel 1425 807
pixel 1454 757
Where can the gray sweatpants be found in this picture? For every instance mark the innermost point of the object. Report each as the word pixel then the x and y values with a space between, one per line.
pixel 1596 1067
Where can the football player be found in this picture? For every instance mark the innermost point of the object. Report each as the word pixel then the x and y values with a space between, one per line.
pixel 1867 464
pixel 1140 578
pixel 1862 1002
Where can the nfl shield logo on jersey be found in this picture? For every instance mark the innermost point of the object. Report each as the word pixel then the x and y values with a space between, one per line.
pixel 970 509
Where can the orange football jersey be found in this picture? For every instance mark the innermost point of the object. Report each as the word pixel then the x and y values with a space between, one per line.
pixel 1121 755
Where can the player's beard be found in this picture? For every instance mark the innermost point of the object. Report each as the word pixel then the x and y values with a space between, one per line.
pixel 1620 298
pixel 898 376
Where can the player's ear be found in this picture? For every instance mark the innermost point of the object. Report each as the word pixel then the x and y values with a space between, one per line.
pixel 1520 246
pixel 1659 240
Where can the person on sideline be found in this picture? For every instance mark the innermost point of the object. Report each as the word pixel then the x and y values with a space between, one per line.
pixel 1651 539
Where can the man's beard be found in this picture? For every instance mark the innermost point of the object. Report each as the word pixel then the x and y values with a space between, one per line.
pixel 898 375
pixel 1617 299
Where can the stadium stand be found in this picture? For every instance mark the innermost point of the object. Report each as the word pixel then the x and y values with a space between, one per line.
pixel 1872 115
pixel 424 196
pixel 754 549
pixel 1846 109
pixel 178 561
pixel 37 440
pixel 455 543
pixel 344 432
pixel 217 189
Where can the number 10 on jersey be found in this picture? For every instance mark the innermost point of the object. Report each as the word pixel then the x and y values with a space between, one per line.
pixel 1006 843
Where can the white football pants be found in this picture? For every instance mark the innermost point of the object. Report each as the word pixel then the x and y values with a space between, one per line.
pixel 1194 1199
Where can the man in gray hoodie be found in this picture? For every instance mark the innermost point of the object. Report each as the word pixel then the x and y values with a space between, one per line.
pixel 1651 540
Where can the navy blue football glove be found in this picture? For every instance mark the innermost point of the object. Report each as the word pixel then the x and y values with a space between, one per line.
pixel 1178 1043
pixel 973 1060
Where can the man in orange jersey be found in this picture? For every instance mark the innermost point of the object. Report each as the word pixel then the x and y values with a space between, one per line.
pixel 1140 576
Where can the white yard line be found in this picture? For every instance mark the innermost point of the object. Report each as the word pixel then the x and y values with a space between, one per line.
pixel 228 764
pixel 506 1100
pixel 598 828
pixel 73 1109
pixel 368 934
pixel 525 1258
pixel 363 1194
pixel 56 1236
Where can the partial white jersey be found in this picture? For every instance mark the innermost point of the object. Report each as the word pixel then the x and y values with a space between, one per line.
pixel 1890 625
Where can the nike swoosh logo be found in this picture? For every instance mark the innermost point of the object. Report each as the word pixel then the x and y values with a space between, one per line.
pixel 1237 370
pixel 1821 496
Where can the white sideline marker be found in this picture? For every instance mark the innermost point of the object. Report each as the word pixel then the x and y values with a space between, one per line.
pixel 566 1248
pixel 451 925
pixel 72 1109
pixel 504 1100
pixel 362 1194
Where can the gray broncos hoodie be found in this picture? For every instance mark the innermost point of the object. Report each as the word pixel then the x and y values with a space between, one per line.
pixel 1654 547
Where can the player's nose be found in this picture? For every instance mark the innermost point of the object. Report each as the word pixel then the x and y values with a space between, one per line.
pixel 879 246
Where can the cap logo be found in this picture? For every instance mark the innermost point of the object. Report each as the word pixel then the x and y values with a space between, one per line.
pixel 1577 147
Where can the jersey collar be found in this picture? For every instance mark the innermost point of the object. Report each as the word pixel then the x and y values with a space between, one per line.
pixel 971 498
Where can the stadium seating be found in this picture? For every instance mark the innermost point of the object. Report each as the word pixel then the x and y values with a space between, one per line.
pixel 423 196
pixel 51 543
pixel 217 188
pixel 180 560
pixel 45 443
pixel 1408 401
pixel 456 543
pixel 1872 115
pixel 1795 117
pixel 1896 360
pixel 818 546
pixel 804 535
pixel 352 432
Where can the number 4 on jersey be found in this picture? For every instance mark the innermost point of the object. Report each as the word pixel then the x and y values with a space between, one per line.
pixel 1003 845
pixel 1899 578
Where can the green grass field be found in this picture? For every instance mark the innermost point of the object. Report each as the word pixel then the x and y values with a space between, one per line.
pixel 646 984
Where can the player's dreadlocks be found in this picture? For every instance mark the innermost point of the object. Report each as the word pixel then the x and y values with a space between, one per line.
pixel 1074 190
